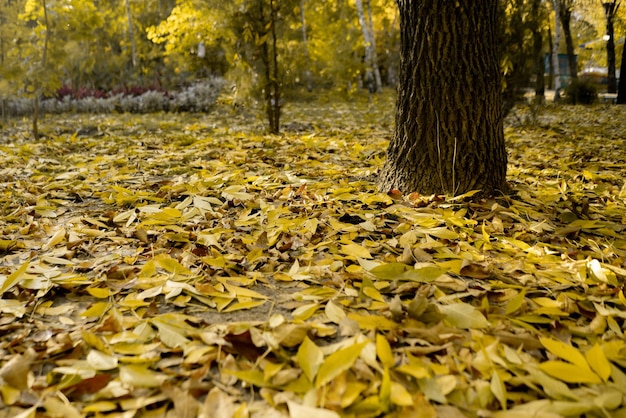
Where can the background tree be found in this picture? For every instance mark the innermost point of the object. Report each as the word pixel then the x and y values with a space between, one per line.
pixel 521 47
pixel 621 90
pixel 538 16
pixel 610 11
pixel 556 67
pixel 565 9
pixel 372 72
pixel 448 137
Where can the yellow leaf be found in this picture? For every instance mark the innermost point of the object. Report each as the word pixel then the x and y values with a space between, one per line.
pixel 97 309
pixel 569 373
pixel 565 351
pixel 334 312
pixel 369 322
pixel 498 389
pixel 463 315
pixel 384 394
pixel 101 361
pixel 400 396
pixel 99 292
pixel 242 292
pixel 300 411
pixel 338 362
pixel 383 350
pixel 310 358
pixel 7 245
pixel 516 302
pixel 255 377
pixel 598 362
pixel 55 239
pixel 304 312
pixel 355 250
pixel 249 304
pixel 140 376
pixel 14 278
pixel 170 265
pixel 372 293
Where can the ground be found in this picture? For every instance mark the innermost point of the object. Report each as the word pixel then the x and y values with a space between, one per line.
pixel 182 264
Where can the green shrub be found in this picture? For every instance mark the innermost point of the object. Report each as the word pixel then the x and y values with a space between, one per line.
pixel 581 92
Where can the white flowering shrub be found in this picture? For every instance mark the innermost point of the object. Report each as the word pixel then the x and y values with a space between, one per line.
pixel 199 97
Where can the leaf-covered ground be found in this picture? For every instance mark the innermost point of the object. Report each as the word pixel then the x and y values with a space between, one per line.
pixel 187 265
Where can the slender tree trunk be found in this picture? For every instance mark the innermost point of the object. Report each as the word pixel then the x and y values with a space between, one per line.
pixel 375 68
pixel 610 10
pixel 538 52
pixel 621 89
pixel 305 44
pixel 3 101
pixel 270 62
pixel 565 10
pixel 371 58
pixel 131 36
pixel 550 60
pixel 44 64
pixel 449 137
pixel 275 122
pixel 555 52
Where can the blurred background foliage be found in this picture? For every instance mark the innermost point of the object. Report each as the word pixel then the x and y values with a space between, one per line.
pixel 100 48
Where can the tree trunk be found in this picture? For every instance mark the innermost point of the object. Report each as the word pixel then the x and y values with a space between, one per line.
pixel 565 10
pixel 307 57
pixel 610 10
pixel 449 137
pixel 270 62
pixel 555 53
pixel 621 90
pixel 538 52
pixel 133 47
pixel 372 75
pixel 44 64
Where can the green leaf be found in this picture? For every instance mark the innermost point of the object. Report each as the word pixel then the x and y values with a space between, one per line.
pixel 338 362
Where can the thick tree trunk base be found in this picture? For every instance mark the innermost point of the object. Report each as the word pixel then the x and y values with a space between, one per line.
pixel 449 135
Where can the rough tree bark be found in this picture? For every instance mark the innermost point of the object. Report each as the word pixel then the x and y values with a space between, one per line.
pixel 448 137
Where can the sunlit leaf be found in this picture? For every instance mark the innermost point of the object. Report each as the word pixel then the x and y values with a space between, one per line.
pixel 565 351
pixel 598 362
pixel 568 372
pixel 463 315
pixel 310 358
pixel 14 278
pixel 337 363
pixel 140 376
